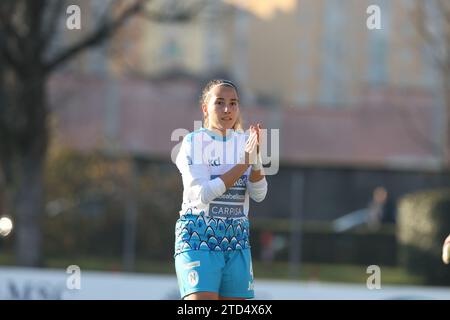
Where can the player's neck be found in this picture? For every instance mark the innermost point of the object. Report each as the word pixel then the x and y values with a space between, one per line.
pixel 222 132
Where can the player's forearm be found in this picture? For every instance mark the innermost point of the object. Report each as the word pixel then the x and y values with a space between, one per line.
pixel 232 175
pixel 256 176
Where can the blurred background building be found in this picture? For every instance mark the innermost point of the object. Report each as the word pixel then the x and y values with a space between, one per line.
pixel 358 111
pixel 356 108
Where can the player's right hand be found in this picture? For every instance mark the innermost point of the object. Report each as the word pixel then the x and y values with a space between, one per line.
pixel 251 146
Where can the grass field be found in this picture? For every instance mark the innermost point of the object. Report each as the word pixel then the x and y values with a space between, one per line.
pixel 275 270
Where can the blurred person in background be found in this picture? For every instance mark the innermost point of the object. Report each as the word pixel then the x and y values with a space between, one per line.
pixel 267 247
pixel 376 208
pixel 221 169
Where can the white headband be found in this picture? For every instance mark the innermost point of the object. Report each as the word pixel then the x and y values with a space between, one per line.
pixel 223 84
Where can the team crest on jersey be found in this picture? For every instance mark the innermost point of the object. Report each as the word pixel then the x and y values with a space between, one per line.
pixel 193 278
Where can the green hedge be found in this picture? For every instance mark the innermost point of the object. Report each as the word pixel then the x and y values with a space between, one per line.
pixel 423 224
pixel 320 244
pixel 87 197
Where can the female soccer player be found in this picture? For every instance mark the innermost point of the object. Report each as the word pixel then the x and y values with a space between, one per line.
pixel 221 169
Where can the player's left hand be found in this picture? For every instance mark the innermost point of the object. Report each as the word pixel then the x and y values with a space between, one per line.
pixel 258 129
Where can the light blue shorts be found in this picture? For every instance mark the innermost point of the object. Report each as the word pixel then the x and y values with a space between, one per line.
pixel 228 273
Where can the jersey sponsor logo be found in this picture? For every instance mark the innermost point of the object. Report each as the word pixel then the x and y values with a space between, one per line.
pixel 226 210
pixel 214 162
pixel 232 195
pixel 240 183
pixel 191 265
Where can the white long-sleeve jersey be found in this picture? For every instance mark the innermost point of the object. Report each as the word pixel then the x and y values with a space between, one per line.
pixel 203 157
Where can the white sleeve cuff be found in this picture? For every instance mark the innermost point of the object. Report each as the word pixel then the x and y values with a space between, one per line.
pixel 257 190
pixel 212 189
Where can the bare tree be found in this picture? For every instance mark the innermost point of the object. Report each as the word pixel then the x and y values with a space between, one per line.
pixel 432 21
pixel 27 58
